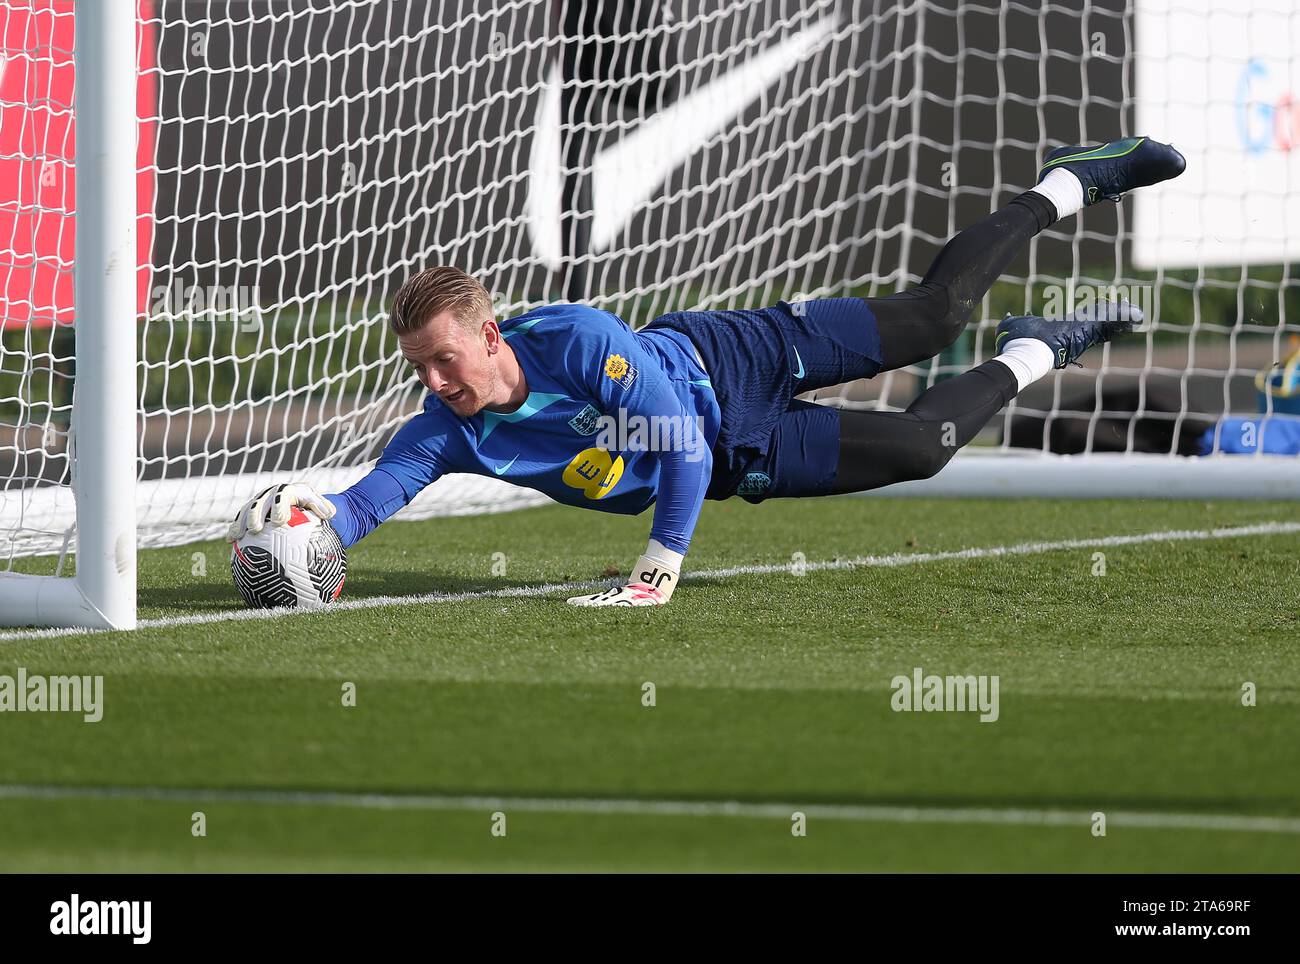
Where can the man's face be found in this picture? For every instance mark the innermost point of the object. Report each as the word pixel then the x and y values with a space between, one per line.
pixel 454 362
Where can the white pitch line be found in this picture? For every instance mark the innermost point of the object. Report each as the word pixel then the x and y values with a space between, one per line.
pixel 885 561
pixel 1240 823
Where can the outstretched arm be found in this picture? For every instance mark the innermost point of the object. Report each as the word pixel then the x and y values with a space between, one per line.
pixel 682 484
pixel 368 502
pixel 685 465
pixel 409 462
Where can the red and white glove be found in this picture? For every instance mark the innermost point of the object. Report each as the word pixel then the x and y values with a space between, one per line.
pixel 654 577
pixel 283 498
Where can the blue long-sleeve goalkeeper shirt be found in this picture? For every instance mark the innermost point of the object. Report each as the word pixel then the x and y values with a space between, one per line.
pixel 614 420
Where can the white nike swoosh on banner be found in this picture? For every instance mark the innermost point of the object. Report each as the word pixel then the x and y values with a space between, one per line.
pixel 627 174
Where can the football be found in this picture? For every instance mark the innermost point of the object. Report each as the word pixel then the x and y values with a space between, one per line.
pixel 301 564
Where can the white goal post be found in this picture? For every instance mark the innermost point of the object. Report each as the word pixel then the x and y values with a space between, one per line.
pixel 103 480
pixel 273 171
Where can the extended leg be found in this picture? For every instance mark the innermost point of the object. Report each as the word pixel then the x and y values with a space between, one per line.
pixel 816 450
pixel 836 340
pixel 919 323
pixel 819 451
pixel 881 448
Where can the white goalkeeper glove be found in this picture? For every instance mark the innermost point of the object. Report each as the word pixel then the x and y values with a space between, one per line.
pixel 283 498
pixel 654 577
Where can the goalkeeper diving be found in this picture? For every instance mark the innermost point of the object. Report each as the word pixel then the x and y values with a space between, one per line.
pixel 568 400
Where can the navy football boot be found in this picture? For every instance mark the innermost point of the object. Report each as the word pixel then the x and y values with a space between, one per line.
pixel 1111 170
pixel 1072 336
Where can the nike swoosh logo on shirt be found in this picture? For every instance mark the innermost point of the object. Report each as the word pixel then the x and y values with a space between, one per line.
pixel 628 174
pixel 503 469
pixel 799 373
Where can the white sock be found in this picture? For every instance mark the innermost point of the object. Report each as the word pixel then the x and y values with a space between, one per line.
pixel 1029 360
pixel 660 553
pixel 1064 190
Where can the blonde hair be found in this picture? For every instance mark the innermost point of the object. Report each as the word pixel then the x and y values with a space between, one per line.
pixel 434 290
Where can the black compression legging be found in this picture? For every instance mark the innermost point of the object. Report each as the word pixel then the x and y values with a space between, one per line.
pixel 881 448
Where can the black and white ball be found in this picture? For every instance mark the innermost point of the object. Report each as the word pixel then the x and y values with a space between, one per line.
pixel 301 564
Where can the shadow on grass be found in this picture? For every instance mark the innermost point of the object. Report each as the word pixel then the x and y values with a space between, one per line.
pixel 213 597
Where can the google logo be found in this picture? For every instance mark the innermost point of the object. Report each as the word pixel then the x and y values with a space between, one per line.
pixel 1263 126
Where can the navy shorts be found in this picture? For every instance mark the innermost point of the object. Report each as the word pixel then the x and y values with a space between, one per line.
pixel 771 444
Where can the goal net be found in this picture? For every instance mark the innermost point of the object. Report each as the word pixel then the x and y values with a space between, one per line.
pixel 295 162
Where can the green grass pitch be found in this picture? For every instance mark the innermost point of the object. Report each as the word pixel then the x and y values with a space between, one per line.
pixel 1120 693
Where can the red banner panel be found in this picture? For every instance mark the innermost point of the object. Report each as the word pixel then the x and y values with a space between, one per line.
pixel 37 157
